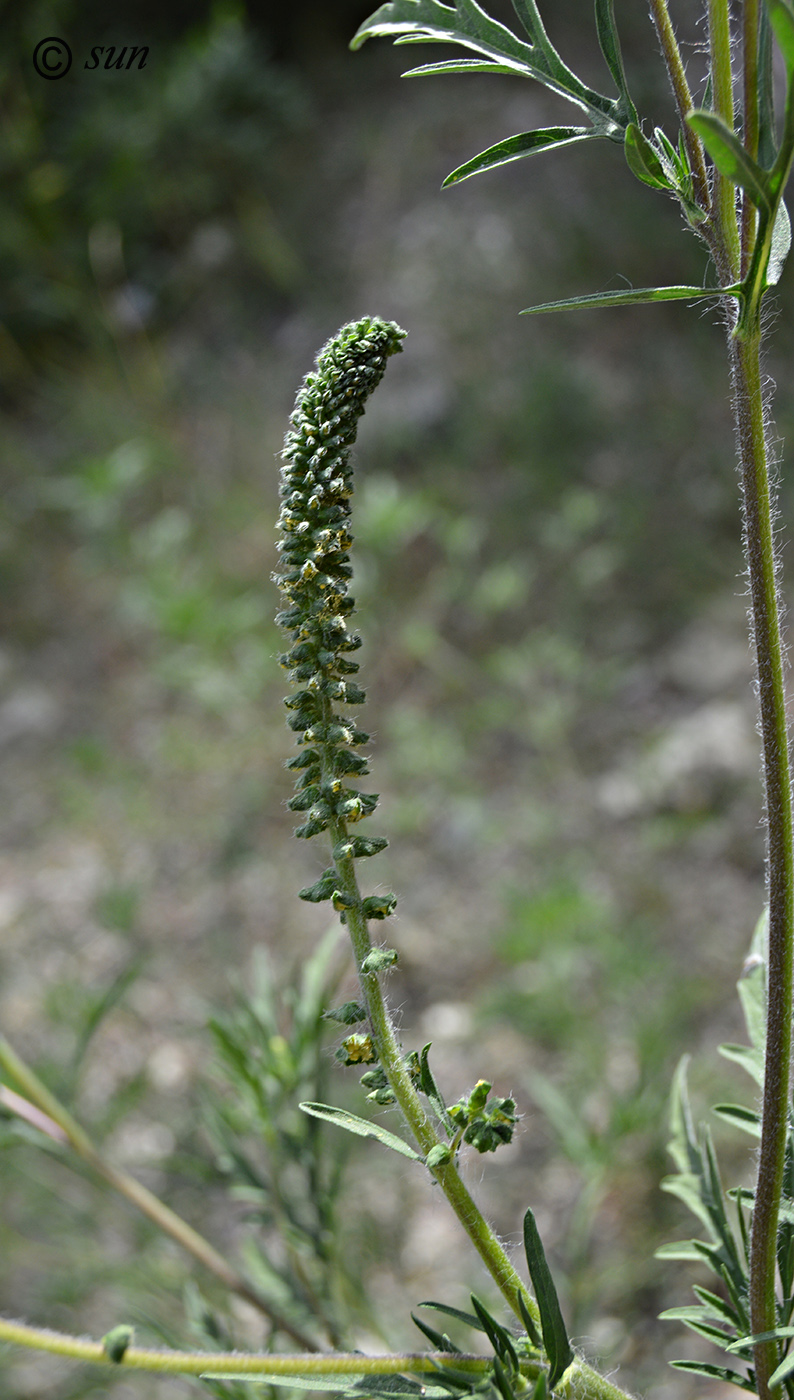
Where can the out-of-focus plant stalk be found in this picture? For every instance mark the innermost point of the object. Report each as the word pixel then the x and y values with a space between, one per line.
pixel 138 1195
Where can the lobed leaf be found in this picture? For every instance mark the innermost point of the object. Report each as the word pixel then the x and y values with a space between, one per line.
pixel 467 24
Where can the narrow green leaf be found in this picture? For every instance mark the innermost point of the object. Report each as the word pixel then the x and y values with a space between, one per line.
pixel 680 1249
pixel 781 243
pixel 430 1089
pixel 529 1324
pixel 781 14
pixel 767 131
pixel 743 1118
pixel 429 21
pixel 555 1338
pixel 440 1340
pixel 642 159
pixel 753 1338
pixel 458 65
pixel 633 296
pixel 526 143
pixel 718 1373
pixel 730 157
pixel 610 48
pixel 355 1386
pixel 469 1318
pixel 784 1370
pixel 750 1060
pixel 359 1126
pixel 698 1325
pixel 500 1339
pixel 716 1305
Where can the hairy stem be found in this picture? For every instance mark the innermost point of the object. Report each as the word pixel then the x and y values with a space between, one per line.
pixel 390 1055
pixel 766 608
pixel 750 133
pixel 253 1364
pixel 683 101
pixel 57 1117
pixel 724 192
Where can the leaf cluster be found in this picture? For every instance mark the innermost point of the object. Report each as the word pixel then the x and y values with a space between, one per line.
pixel 724 1316
pixel 499 50
pixel 276 1161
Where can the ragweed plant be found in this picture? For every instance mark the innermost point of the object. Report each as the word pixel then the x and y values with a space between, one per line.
pixel 726 165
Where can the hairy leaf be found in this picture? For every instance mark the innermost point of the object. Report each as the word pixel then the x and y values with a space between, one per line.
pixel 632 296
pixel 781 243
pixel 527 143
pixel 467 24
pixel 359 1126
pixel 643 160
pixel 730 157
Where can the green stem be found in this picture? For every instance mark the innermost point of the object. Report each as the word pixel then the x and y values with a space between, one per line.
pixel 197 1363
pixel 391 1058
pixel 765 603
pixel 580 1382
pixel 750 23
pixel 724 198
pixel 683 101
pixel 144 1200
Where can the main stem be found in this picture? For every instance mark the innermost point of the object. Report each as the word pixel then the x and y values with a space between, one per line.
pixel 766 608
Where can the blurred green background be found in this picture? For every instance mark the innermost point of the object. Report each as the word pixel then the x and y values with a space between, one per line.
pixel 549 578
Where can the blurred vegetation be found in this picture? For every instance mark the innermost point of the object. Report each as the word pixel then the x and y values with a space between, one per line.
pixel 547 556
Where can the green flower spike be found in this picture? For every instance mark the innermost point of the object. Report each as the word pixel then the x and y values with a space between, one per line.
pixel 314 524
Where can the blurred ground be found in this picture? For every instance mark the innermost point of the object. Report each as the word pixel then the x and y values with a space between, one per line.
pixel 548 574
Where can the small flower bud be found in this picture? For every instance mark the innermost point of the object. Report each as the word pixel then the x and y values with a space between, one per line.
pixel 357 1049
pixel 438 1156
pixel 379 960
